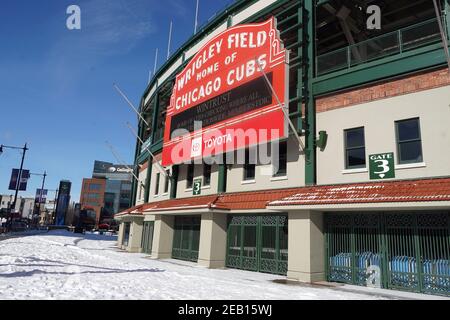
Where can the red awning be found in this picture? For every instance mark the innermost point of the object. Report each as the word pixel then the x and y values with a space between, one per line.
pixel 136 210
pixel 202 202
pixel 376 192
pixel 426 190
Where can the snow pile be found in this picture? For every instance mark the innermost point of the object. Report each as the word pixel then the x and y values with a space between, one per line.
pixel 62 265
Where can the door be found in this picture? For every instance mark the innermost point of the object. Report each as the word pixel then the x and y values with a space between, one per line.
pixel 147 237
pixel 258 243
pixel 186 238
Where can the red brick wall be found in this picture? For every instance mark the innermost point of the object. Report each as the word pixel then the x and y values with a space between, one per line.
pixel 388 89
pixel 143 166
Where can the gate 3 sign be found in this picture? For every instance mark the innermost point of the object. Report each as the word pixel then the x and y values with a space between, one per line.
pixel 381 166
pixel 221 100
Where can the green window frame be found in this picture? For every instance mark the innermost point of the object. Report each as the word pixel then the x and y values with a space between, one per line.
pixel 158 177
pixel 190 176
pixel 352 148
pixel 403 141
pixel 166 182
pixel 207 174
pixel 249 168
pixel 282 160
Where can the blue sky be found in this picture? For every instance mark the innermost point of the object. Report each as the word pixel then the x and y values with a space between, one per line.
pixel 56 85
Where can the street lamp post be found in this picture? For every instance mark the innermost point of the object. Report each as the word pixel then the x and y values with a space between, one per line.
pixel 54 206
pixel 44 175
pixel 13 205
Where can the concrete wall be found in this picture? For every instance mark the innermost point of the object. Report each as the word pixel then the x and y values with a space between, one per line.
pixel 184 192
pixel 378 118
pixel 264 179
pixel 163 237
pixel 263 176
pixel 213 240
pixel 120 235
pixel 140 189
pixel 134 243
pixel 161 195
pixel 306 246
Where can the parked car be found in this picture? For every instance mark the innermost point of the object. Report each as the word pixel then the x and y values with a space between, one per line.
pixel 103 227
pixel 18 226
pixel 79 229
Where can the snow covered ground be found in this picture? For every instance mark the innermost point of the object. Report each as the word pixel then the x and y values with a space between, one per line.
pixel 62 265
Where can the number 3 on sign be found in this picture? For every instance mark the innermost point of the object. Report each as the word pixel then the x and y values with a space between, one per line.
pixel 197 187
pixel 382 166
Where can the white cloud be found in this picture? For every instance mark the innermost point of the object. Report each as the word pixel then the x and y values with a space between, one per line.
pixel 108 28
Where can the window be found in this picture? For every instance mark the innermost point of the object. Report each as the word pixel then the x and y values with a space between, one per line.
pixel 166 182
pixel 249 168
pixel 190 176
pixel 93 195
pixel 281 162
pixel 158 176
pixel 140 190
pixel 94 186
pixel 206 174
pixel 409 142
pixel 355 150
pixel 126 186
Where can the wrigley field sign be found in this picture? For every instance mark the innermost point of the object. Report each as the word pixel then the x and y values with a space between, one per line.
pixel 223 100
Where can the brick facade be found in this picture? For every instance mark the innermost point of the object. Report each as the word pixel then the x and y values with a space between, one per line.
pixel 387 89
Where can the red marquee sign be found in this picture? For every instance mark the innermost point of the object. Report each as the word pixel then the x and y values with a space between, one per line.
pixel 222 102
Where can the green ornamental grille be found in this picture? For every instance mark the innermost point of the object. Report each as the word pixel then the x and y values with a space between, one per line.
pixel 258 243
pixel 147 237
pixel 410 251
pixel 186 238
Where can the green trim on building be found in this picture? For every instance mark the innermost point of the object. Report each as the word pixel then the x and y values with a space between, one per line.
pixel 150 160
pixel 174 181
pixel 134 184
pixel 222 181
pixel 400 64
pixel 310 108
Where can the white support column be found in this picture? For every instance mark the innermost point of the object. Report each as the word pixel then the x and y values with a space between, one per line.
pixel 213 240
pixel 136 228
pixel 306 246
pixel 162 237
pixel 120 235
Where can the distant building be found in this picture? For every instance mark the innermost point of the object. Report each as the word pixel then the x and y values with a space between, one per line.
pixel 23 209
pixel 62 204
pixel 73 214
pixel 107 192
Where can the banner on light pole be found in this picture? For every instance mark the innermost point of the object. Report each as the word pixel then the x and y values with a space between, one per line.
pixel 22 181
pixel 41 198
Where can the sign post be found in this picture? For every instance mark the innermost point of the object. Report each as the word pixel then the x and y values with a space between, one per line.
pixel 197 187
pixel 381 166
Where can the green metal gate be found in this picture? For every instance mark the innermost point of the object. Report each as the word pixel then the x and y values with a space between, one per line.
pixel 405 251
pixel 147 237
pixel 186 238
pixel 258 243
